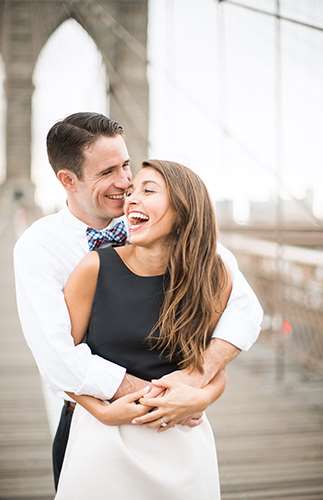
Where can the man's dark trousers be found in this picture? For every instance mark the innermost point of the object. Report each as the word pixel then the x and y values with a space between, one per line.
pixel 60 441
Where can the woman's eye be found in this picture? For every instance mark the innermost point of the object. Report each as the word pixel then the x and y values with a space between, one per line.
pixel 148 190
pixel 128 193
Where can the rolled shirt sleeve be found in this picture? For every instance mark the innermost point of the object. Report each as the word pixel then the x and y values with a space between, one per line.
pixel 46 326
pixel 240 323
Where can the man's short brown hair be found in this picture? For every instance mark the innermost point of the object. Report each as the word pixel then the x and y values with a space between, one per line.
pixel 68 138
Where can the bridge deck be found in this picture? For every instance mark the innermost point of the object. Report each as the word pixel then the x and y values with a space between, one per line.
pixel 25 457
pixel 269 437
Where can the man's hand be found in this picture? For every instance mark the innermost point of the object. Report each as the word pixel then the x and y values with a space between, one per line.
pixel 179 402
pixel 192 378
pixel 216 357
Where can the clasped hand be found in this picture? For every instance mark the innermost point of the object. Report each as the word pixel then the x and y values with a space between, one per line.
pixel 174 399
pixel 177 403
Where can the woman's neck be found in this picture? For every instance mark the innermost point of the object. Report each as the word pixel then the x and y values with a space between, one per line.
pixel 146 261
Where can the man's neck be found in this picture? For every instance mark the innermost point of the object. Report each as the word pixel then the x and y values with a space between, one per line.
pixel 89 220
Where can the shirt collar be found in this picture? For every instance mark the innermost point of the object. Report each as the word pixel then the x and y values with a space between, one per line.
pixel 81 226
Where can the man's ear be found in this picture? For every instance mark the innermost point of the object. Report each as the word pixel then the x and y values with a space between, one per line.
pixel 68 179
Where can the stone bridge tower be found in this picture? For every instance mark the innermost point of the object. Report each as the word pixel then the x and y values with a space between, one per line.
pixel 119 29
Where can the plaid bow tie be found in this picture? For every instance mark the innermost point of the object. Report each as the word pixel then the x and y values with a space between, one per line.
pixel 116 234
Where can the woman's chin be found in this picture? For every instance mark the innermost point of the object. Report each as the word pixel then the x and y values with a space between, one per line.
pixel 147 237
pixel 135 237
pixel 140 238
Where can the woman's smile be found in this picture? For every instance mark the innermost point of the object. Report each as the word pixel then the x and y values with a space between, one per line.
pixel 136 220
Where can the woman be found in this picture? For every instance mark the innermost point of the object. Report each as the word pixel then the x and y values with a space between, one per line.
pixel 150 306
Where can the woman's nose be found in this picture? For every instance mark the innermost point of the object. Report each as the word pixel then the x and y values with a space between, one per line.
pixel 131 198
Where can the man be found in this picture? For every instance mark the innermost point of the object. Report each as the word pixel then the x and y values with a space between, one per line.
pixel 90 159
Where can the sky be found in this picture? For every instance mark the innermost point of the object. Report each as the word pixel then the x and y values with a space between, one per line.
pixel 206 75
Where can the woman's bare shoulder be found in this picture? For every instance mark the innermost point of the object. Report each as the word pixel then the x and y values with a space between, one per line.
pixel 90 262
pixel 86 271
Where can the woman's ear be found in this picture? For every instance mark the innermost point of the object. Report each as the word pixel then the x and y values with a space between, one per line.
pixel 68 179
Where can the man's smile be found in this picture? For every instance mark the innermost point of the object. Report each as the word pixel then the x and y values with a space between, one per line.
pixel 119 196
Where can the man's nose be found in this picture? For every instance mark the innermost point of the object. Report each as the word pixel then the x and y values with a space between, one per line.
pixel 123 180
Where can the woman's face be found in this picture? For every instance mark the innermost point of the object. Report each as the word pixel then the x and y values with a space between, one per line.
pixel 147 208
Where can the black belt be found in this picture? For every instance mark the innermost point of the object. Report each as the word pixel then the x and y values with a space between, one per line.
pixel 70 405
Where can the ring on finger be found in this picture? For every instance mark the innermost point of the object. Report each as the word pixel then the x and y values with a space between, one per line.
pixel 163 422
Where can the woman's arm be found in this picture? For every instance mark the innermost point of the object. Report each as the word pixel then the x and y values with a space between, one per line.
pixel 79 294
pixel 121 411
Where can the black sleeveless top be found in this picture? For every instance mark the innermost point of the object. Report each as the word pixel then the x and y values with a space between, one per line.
pixel 125 309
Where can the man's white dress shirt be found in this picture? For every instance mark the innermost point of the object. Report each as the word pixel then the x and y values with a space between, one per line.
pixel 44 257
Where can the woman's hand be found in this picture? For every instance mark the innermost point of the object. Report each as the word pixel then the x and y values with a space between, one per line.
pixel 123 410
pixel 180 402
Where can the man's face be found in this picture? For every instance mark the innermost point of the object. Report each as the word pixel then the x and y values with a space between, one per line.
pixel 106 175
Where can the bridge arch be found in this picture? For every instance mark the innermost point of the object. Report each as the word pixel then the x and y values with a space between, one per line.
pixel 74 81
pixel 118 28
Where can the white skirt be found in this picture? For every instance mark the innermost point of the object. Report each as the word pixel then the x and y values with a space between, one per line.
pixel 131 462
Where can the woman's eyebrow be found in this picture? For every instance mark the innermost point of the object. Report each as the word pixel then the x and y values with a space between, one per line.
pixel 147 182
pixel 143 183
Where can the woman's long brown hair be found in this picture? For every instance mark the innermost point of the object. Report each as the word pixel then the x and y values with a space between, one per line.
pixel 198 285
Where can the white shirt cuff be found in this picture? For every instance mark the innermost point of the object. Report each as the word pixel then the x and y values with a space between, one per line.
pixel 105 376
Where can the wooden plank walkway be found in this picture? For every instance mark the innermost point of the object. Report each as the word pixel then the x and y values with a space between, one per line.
pixel 269 437
pixel 25 444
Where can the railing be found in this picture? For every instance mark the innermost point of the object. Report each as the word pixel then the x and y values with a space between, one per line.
pixel 289 283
